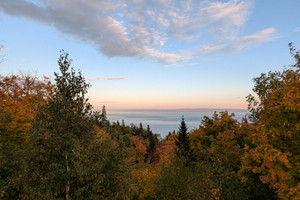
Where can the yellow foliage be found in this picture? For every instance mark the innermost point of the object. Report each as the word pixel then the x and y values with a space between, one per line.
pixel 102 135
pixel 145 182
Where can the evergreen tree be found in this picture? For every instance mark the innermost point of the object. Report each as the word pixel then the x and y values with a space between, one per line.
pixel 152 138
pixel 103 113
pixel 183 143
pixel 141 126
pixel 141 130
pixel 148 129
pixel 104 121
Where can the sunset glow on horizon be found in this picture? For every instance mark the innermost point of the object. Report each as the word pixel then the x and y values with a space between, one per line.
pixel 152 54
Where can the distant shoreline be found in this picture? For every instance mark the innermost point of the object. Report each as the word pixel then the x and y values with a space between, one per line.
pixel 183 109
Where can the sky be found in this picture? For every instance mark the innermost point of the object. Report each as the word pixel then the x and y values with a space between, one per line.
pixel 156 54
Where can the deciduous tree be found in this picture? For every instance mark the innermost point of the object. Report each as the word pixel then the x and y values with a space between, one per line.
pixel 20 95
pixel 63 158
pixel 276 113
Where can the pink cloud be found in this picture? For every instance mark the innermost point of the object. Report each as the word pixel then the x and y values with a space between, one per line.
pixel 116 78
pixel 103 78
pixel 95 78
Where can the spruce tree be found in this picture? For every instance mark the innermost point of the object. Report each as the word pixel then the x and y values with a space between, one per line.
pixel 183 143
pixel 103 117
pixel 141 130
pixel 152 139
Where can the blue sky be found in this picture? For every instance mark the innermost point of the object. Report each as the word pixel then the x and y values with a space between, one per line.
pixel 153 54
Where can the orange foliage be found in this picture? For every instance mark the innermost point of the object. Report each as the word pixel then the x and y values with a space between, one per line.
pixel 164 152
pixel 137 150
pixel 275 157
pixel 19 98
pixel 273 167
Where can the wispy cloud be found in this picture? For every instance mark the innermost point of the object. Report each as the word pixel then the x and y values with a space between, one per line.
pixel 103 78
pixel 94 78
pixel 240 44
pixel 135 28
pixel 116 78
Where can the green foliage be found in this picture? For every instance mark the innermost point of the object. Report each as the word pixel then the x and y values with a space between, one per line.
pixel 10 158
pixel 173 180
pixel 19 97
pixel 202 181
pixel 52 146
pixel 60 160
pixel 183 144
pixel 102 174
pixel 220 137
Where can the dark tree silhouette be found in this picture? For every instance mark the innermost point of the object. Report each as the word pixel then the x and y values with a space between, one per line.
pixel 183 144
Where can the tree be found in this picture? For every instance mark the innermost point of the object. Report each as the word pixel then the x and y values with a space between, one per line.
pixel 152 139
pixel 219 137
pixel 218 143
pixel 104 120
pixel 63 159
pixel 137 150
pixel 141 130
pixel 183 144
pixel 20 95
pixel 276 112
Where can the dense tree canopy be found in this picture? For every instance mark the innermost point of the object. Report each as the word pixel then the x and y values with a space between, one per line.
pixel 275 157
pixel 61 159
pixel 53 146
pixel 20 95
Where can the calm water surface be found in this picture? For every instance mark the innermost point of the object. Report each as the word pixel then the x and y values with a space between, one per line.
pixel 163 121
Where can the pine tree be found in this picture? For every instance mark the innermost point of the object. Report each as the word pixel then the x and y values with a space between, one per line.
pixel 183 143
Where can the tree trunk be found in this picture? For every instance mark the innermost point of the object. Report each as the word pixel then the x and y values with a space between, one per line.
pixel 68 182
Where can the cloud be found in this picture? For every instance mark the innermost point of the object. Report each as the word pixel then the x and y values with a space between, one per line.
pixel 95 78
pixel 116 78
pixel 137 28
pixel 240 44
pixel 103 78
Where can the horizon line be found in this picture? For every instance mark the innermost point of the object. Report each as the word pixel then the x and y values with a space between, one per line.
pixel 172 109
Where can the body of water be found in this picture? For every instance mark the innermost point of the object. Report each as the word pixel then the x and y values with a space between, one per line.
pixel 162 121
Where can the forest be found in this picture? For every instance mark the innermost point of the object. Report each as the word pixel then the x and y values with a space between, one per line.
pixel 53 145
